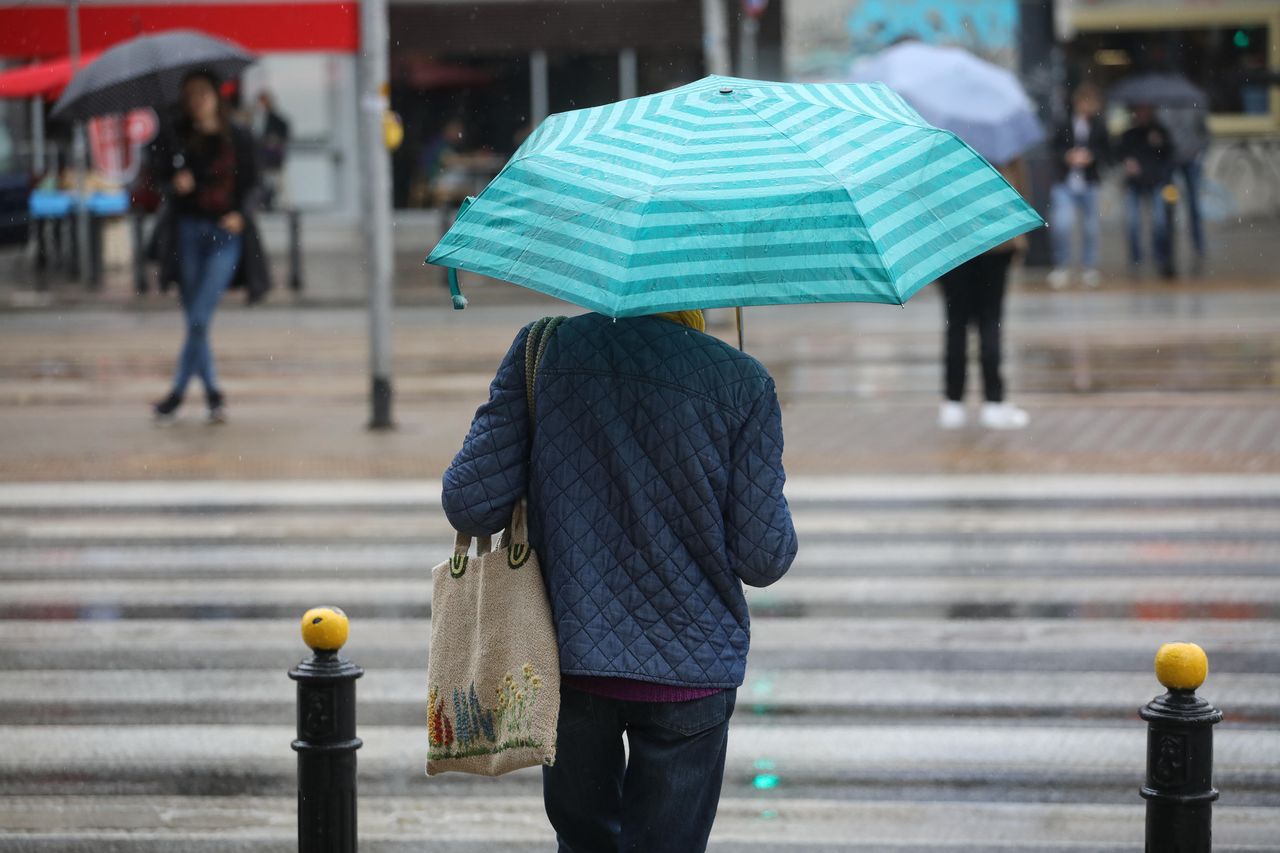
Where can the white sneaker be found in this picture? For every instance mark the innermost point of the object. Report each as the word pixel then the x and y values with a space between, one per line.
pixel 1091 279
pixel 1059 277
pixel 1004 416
pixel 952 415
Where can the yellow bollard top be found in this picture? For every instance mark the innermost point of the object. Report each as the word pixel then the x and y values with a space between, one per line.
pixel 325 629
pixel 1181 666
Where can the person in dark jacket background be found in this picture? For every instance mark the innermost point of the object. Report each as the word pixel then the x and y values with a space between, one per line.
pixel 1081 149
pixel 213 176
pixel 271 132
pixel 654 478
pixel 1147 153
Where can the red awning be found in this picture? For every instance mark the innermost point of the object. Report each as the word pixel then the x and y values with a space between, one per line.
pixel 40 28
pixel 46 79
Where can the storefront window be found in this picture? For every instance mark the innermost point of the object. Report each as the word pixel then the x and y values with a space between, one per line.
pixel 463 116
pixel 1228 62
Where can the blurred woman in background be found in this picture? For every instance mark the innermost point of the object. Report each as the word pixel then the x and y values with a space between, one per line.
pixel 212 179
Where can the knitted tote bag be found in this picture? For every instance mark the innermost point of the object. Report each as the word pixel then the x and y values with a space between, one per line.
pixel 494 669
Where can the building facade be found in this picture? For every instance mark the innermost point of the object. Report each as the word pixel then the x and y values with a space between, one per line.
pixel 469 80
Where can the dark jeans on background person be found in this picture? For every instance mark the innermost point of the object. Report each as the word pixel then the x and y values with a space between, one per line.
pixel 207 257
pixel 1137 198
pixel 1191 172
pixel 661 796
pixel 974 293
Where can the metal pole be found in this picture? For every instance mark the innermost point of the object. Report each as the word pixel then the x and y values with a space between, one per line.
pixel 628 74
pixel 377 179
pixel 715 37
pixel 539 88
pixel 295 250
pixel 1179 790
pixel 1040 66
pixel 326 742
pixel 37 135
pixel 79 153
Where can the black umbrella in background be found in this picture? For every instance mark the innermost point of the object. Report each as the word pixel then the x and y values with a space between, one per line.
pixel 1159 90
pixel 147 71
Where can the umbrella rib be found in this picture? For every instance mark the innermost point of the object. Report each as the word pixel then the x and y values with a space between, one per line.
pixel 650 191
pixel 818 162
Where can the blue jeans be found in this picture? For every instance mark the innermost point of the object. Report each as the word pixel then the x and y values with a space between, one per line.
pixel 1136 198
pixel 662 796
pixel 1191 172
pixel 207 258
pixel 1065 207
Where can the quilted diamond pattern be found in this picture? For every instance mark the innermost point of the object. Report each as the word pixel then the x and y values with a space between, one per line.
pixel 655 493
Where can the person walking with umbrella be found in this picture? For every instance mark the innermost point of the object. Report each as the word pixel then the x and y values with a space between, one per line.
pixel 974 296
pixel 652 454
pixel 1147 153
pixel 1189 132
pixel 212 177
pixel 984 105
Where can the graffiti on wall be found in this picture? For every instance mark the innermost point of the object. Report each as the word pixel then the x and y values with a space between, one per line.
pixel 825 36
pixel 986 27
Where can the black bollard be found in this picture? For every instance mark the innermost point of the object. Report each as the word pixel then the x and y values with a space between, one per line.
pixel 327 741
pixel 1179 790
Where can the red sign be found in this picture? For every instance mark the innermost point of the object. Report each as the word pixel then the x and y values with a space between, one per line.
pixel 754 8
pixel 29 30
pixel 116 143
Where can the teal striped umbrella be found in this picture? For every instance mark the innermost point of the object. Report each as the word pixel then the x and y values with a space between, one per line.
pixel 730 192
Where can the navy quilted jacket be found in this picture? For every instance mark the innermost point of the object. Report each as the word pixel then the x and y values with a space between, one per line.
pixel 655 493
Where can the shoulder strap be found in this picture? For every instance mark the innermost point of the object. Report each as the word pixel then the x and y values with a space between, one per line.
pixel 535 347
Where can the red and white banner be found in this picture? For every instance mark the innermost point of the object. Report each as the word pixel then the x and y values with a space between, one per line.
pixel 116 143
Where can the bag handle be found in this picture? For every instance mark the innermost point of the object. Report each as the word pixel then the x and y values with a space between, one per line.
pixel 517 531
pixel 462 544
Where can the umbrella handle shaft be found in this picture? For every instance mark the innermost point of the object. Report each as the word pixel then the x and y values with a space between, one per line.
pixel 741 341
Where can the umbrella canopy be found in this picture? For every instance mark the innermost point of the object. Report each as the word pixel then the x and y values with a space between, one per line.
pixel 1159 90
pixel 982 103
pixel 730 192
pixel 40 79
pixel 146 72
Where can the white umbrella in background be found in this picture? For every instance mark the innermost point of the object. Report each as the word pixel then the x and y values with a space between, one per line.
pixel 980 102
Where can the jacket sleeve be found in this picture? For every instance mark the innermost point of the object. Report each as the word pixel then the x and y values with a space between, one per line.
pixel 490 473
pixel 760 537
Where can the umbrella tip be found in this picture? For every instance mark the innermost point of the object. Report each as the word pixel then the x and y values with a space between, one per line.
pixel 726 90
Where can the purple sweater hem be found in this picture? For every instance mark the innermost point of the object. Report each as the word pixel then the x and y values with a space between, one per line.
pixel 631 690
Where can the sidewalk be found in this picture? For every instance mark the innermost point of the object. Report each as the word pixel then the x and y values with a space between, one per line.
pixel 1147 380
pixel 1241 255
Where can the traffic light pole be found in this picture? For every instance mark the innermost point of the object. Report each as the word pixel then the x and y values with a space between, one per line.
pixel 377 203
pixel 80 161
